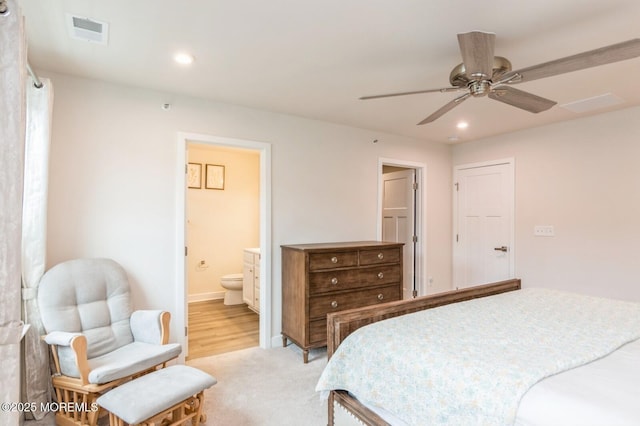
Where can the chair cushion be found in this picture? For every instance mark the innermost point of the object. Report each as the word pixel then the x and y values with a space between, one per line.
pixel 153 393
pixel 130 359
pixel 146 326
pixel 89 296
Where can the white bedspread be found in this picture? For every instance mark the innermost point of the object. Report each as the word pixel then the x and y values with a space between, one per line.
pixel 603 392
pixel 470 363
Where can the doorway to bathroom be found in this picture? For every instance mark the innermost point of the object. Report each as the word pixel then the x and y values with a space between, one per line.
pixel 224 220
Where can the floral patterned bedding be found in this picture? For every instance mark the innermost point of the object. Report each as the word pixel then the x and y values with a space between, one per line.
pixel 470 363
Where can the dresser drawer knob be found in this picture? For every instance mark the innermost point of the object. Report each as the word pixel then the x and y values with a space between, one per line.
pixel 334 281
pixel 380 275
pixel 380 256
pixel 334 259
pixel 334 304
pixel 380 296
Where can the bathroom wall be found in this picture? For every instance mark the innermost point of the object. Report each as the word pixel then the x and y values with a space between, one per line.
pixel 221 223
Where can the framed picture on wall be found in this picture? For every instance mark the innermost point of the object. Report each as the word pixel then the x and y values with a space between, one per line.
pixel 214 177
pixel 194 175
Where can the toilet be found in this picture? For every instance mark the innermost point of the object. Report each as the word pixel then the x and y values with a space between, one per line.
pixel 233 285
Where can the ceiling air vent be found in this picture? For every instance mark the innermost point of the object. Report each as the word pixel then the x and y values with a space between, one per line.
pixel 86 29
pixel 594 103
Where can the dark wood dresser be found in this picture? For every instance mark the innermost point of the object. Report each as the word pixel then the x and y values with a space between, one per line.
pixel 328 277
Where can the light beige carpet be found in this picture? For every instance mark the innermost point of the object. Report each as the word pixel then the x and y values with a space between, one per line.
pixel 259 387
pixel 264 387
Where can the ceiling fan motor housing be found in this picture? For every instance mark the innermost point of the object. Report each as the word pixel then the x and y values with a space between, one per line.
pixel 459 77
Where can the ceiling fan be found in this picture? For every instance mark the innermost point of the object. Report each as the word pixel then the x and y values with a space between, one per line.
pixel 483 74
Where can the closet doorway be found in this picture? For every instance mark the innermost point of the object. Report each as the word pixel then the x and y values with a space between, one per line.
pixel 206 178
pixel 483 225
pixel 400 213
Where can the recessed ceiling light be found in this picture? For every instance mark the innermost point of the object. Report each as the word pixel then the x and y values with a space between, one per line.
pixel 184 58
pixel 462 125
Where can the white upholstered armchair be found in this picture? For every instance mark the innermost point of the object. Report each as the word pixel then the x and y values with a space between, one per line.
pixel 97 341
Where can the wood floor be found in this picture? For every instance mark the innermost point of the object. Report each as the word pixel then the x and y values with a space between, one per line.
pixel 215 328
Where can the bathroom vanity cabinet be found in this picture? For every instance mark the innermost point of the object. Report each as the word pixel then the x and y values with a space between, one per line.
pixel 251 279
pixel 329 277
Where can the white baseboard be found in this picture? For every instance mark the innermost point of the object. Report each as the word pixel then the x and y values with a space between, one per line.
pixel 201 297
pixel 276 341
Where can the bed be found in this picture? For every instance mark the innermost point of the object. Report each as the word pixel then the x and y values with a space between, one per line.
pixel 491 354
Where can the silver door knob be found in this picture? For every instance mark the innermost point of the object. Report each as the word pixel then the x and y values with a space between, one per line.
pixel 380 296
pixel 503 248
pixel 334 281
pixel 380 275
pixel 334 304
pixel 334 259
pixel 380 256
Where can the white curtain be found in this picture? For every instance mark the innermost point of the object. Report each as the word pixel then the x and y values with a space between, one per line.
pixel 12 125
pixel 34 239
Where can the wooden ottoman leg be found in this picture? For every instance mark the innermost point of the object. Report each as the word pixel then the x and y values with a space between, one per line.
pixel 199 417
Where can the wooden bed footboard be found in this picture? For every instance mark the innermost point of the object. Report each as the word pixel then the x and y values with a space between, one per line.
pixel 353 406
pixel 341 324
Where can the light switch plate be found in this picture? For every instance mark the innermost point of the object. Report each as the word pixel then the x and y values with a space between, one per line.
pixel 543 231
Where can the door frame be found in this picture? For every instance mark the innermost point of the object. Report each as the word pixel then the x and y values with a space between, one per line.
pixel 456 256
pixel 265 231
pixel 420 215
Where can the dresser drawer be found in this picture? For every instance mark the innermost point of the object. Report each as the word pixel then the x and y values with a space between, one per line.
pixel 375 257
pixel 330 260
pixel 319 306
pixel 323 282
pixel 327 281
pixel 379 275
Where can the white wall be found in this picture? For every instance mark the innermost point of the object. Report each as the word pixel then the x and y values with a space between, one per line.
pixel 113 178
pixel 583 178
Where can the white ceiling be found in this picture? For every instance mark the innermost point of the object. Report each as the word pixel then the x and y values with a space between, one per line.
pixel 315 58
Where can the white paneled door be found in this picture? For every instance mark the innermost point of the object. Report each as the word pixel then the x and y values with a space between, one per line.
pixel 398 224
pixel 483 223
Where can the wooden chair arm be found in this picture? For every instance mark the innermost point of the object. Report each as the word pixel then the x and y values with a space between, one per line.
pixel 165 319
pixel 79 346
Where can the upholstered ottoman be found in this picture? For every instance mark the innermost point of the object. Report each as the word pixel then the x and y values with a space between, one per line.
pixel 176 391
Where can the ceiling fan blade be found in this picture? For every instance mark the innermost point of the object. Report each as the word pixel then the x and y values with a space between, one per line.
pixel 445 109
pixel 415 92
pixel 477 48
pixel 605 55
pixel 521 99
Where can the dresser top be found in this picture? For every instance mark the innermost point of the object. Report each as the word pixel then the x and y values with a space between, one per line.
pixel 341 245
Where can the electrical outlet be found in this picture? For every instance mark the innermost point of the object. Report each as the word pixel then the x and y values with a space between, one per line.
pixel 543 231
